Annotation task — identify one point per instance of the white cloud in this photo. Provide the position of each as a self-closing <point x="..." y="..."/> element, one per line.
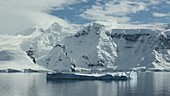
<point x="17" y="15"/>
<point x="157" y="14"/>
<point x="36" y="4"/>
<point x="167" y="1"/>
<point x="116" y="9"/>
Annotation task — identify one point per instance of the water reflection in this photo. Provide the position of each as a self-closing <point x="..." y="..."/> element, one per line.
<point x="19" y="84"/>
<point x="161" y="84"/>
<point x="72" y="88"/>
<point x="147" y="84"/>
<point x="90" y="88"/>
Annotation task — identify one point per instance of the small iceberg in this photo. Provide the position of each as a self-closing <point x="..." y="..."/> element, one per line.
<point x="96" y="76"/>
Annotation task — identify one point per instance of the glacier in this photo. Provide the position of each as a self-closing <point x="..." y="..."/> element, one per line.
<point x="18" y="61"/>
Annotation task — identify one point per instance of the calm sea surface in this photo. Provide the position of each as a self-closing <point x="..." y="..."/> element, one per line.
<point x="20" y="84"/>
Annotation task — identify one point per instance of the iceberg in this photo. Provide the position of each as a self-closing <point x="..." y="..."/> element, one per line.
<point x="95" y="76"/>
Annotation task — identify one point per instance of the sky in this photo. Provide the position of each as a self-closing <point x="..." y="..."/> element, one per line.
<point x="16" y="15"/>
<point x="123" y="11"/>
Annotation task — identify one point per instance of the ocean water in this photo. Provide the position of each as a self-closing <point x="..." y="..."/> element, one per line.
<point x="35" y="84"/>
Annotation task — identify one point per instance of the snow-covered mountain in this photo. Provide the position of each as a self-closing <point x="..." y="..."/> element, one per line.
<point x="96" y="47"/>
<point x="39" y="40"/>
<point x="141" y="48"/>
<point x="57" y="59"/>
<point x="17" y="61"/>
<point x="47" y="39"/>
<point x="93" y="46"/>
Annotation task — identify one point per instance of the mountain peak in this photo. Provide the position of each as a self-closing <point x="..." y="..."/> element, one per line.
<point x="54" y="27"/>
<point x="95" y="24"/>
<point x="57" y="59"/>
<point x="92" y="29"/>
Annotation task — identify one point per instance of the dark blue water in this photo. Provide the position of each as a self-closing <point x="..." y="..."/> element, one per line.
<point x="147" y="84"/>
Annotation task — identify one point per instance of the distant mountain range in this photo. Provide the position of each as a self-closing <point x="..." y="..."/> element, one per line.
<point x="95" y="46"/>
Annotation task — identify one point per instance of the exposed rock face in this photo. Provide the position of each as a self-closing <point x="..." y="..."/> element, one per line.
<point x="165" y="39"/>
<point x="31" y="54"/>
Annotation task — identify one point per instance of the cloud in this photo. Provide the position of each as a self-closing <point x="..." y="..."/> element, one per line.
<point x="116" y="9"/>
<point x="35" y="5"/>
<point x="167" y="1"/>
<point x="157" y="14"/>
<point x="17" y="15"/>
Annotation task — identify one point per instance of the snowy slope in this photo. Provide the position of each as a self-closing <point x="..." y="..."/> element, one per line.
<point x="41" y="37"/>
<point x="97" y="47"/>
<point x="135" y="48"/>
<point x="91" y="47"/>
<point x="43" y="43"/>
<point x="17" y="60"/>
<point x="57" y="60"/>
<point x="15" y="42"/>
